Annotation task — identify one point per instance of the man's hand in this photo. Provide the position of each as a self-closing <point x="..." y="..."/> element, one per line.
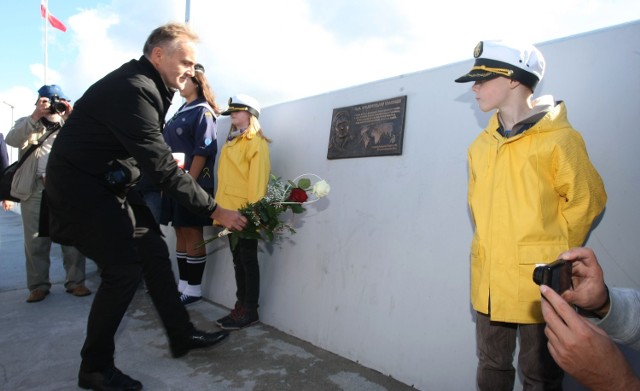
<point x="589" y="290"/>
<point x="68" y="111"/>
<point x="583" y="350"/>
<point x="229" y="218"/>
<point x="41" y="110"/>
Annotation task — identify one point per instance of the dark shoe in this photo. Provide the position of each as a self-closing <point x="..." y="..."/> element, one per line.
<point x="111" y="379"/>
<point x="37" y="295"/>
<point x="186" y="299"/>
<point x="241" y="319"/>
<point x="227" y="318"/>
<point x="79" y="291"/>
<point x="196" y="340"/>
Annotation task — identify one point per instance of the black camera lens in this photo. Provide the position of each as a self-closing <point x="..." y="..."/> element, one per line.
<point x="56" y="106"/>
<point x="538" y="274"/>
<point x="556" y="275"/>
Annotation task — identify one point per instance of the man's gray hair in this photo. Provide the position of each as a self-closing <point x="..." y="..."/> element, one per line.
<point x="168" y="35"/>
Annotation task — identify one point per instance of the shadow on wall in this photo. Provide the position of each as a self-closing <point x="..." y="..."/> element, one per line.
<point x="481" y="117"/>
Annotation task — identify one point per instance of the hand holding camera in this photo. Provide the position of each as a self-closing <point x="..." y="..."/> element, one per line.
<point x="41" y="110"/>
<point x="58" y="106"/>
<point x="589" y="290"/>
<point x="556" y="275"/>
<point x="576" y="345"/>
<point x="576" y="268"/>
<point x="53" y="106"/>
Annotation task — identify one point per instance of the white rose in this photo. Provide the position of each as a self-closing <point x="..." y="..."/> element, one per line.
<point x="321" y="189"/>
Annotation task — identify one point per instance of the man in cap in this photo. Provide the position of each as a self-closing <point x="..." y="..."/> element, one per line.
<point x="533" y="193"/>
<point x="114" y="135"/>
<point x="52" y="109"/>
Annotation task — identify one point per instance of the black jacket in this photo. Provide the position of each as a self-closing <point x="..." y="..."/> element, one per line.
<point x="4" y="156"/>
<point x="113" y="134"/>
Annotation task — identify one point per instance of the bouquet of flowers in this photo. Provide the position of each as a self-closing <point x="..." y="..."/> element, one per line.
<point x="264" y="217"/>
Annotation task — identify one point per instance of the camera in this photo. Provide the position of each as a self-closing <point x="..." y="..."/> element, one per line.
<point x="556" y="275"/>
<point x="57" y="106"/>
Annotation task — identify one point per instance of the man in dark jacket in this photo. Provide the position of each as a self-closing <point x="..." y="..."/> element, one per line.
<point x="4" y="156"/>
<point x="4" y="163"/>
<point x="114" y="134"/>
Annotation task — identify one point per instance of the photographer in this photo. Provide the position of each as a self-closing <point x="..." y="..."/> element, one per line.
<point x="42" y="126"/>
<point x="577" y="343"/>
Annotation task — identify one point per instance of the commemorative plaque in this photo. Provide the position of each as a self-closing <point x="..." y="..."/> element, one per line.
<point x="369" y="129"/>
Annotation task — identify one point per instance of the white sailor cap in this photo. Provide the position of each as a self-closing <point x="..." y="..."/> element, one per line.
<point x="521" y="62"/>
<point x="242" y="102"/>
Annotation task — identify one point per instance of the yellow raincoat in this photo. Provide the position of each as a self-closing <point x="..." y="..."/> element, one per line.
<point x="532" y="196"/>
<point x="243" y="171"/>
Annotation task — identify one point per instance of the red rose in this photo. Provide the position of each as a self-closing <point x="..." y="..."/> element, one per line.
<point x="298" y="195"/>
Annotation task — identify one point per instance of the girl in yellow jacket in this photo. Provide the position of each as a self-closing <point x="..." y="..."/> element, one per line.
<point x="243" y="174"/>
<point x="533" y="193"/>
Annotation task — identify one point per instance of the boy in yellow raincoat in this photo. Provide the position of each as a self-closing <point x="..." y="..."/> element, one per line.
<point x="533" y="193"/>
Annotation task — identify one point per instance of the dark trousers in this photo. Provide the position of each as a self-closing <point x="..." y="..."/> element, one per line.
<point x="124" y="259"/>
<point x="247" y="272"/>
<point x="496" y="343"/>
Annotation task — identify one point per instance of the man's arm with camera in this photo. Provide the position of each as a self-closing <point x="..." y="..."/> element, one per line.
<point x="589" y="291"/>
<point x="577" y="343"/>
<point x="618" y="309"/>
<point x="582" y="349"/>
<point x="27" y="130"/>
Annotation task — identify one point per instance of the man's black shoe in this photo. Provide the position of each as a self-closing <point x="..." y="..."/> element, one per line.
<point x="111" y="379"/>
<point x="196" y="340"/>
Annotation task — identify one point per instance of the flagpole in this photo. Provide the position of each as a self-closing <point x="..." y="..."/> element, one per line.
<point x="187" y="18"/>
<point x="46" y="39"/>
<point x="12" y="107"/>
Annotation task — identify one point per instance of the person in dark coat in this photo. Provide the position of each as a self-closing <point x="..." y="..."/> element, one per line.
<point x="113" y="136"/>
<point x="4" y="163"/>
<point x="4" y="156"/>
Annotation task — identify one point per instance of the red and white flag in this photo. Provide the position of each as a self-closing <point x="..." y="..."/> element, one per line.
<point x="55" y="22"/>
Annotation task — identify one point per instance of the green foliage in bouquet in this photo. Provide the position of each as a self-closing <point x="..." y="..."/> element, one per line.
<point x="264" y="218"/>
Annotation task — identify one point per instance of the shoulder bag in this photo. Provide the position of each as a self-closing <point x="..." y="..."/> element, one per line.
<point x="8" y="174"/>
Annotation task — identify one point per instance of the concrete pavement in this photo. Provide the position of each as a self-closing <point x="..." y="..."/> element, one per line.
<point x="40" y="342"/>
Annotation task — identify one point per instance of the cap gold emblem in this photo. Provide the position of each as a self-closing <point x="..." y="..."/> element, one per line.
<point x="478" y="50"/>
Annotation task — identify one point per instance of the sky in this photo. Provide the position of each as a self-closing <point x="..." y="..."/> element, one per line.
<point x="275" y="50"/>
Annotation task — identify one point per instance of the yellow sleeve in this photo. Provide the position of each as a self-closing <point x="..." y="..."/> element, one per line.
<point x="581" y="186"/>
<point x="259" y="169"/>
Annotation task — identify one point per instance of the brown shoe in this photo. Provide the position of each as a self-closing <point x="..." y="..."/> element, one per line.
<point x="79" y="291"/>
<point x="37" y="295"/>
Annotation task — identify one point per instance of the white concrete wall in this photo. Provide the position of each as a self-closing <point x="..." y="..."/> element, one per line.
<point x="379" y="270"/>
